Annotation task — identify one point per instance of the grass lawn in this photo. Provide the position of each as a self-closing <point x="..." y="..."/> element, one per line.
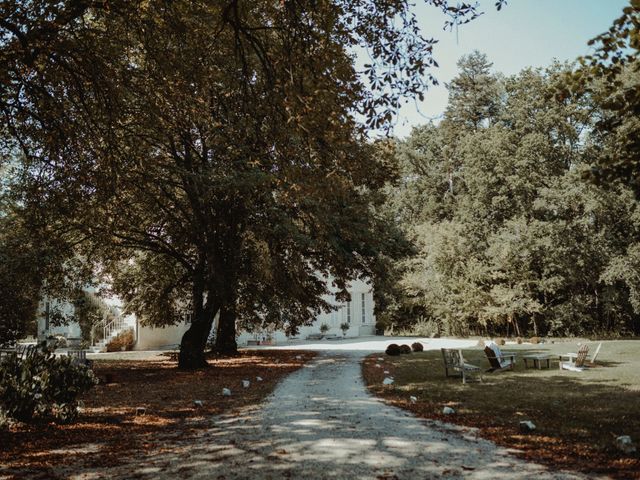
<point x="109" y="430"/>
<point x="578" y="414"/>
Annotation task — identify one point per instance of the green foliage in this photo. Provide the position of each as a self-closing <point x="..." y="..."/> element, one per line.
<point x="417" y="347"/>
<point x="42" y="386"/>
<point x="89" y="311"/>
<point x="423" y="327"/>
<point x="124" y="341"/>
<point x="324" y="328"/>
<point x="609" y="76"/>
<point x="508" y="237"/>
<point x="38" y="260"/>
<point x="405" y="349"/>
<point x="215" y="154"/>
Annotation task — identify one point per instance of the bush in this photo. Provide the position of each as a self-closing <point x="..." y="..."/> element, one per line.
<point x="324" y="328"/>
<point x="535" y="340"/>
<point x="393" y="349"/>
<point x="123" y="341"/>
<point x="519" y="340"/>
<point x="405" y="349"/>
<point x="500" y="341"/>
<point x="422" y="328"/>
<point x="42" y="386"/>
<point x="417" y="347"/>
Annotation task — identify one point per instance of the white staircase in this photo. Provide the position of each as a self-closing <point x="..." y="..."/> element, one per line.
<point x="111" y="327"/>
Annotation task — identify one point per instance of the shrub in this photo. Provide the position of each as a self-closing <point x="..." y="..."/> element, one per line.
<point x="324" y="328"/>
<point x="535" y="340"/>
<point x="519" y="340"/>
<point x="393" y="349"/>
<point x="405" y="349"/>
<point x="500" y="341"/>
<point x="42" y="386"/>
<point x="123" y="341"/>
<point x="417" y="347"/>
<point x="422" y="328"/>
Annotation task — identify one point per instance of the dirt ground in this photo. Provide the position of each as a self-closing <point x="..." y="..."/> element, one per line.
<point x="112" y="428"/>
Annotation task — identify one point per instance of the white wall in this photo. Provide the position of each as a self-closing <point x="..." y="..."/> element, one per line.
<point x="362" y="320"/>
<point x="159" y="338"/>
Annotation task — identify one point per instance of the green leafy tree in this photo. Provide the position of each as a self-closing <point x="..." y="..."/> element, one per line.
<point x="523" y="245"/>
<point x="211" y="153"/>
<point x="609" y="76"/>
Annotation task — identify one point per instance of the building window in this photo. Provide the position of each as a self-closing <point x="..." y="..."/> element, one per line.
<point x="348" y="312"/>
<point x="364" y="314"/>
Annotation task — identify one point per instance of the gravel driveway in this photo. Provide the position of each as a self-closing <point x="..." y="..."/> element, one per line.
<point x="320" y="422"/>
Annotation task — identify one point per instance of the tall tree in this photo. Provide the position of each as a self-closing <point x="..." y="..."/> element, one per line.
<point x="213" y="148"/>
<point x="525" y="245"/>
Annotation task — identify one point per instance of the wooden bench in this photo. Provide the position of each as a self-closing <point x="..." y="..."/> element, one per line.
<point x="454" y="361"/>
<point x="499" y="360"/>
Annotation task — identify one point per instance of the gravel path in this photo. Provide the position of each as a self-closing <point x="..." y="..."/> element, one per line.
<point x="320" y="422"/>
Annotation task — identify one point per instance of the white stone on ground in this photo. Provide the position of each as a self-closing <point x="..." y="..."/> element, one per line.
<point x="625" y="444"/>
<point x="226" y="392"/>
<point x="387" y="381"/>
<point x="246" y="383"/>
<point x="527" y="426"/>
<point x="448" y="411"/>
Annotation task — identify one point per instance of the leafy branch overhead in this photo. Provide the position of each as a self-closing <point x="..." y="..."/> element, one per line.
<point x="212" y="157"/>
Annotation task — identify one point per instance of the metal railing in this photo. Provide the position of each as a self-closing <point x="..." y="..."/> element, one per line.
<point x="112" y="328"/>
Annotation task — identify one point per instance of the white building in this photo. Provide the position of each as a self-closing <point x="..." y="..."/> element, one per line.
<point x="358" y="314"/>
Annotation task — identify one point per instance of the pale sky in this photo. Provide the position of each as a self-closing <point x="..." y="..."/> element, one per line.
<point x="524" y="33"/>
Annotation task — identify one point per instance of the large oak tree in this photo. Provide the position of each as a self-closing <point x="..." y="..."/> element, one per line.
<point x="214" y="154"/>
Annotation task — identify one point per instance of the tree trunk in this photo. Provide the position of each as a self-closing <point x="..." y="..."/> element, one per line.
<point x="193" y="344"/>
<point x="194" y="340"/>
<point x="226" y="335"/>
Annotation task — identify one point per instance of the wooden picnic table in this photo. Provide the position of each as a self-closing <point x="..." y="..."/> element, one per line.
<point x="537" y="359"/>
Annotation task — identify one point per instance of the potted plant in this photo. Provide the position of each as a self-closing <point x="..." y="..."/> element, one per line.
<point x="344" y="327"/>
<point x="324" y="328"/>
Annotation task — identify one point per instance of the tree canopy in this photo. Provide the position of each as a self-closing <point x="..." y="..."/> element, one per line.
<point x="510" y="237"/>
<point x="214" y="155"/>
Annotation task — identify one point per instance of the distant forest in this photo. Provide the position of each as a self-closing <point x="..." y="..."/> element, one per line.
<point x="511" y="231"/>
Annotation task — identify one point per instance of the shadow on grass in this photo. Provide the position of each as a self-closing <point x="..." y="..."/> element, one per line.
<point x="578" y="415"/>
<point x="313" y="431"/>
